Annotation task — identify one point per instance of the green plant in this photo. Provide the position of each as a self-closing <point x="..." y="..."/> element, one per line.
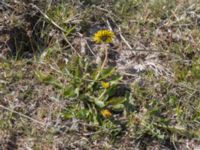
<point x="93" y="89"/>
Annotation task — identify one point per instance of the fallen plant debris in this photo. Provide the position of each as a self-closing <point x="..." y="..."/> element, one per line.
<point x="90" y="74"/>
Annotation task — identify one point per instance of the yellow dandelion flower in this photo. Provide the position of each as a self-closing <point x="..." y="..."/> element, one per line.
<point x="106" y="113"/>
<point x="103" y="36"/>
<point x="105" y="85"/>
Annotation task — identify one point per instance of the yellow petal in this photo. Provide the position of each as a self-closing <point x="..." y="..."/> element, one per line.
<point x="103" y="36"/>
<point x="106" y="113"/>
<point x="105" y="84"/>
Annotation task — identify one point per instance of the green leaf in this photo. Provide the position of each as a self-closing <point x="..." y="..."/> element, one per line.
<point x="111" y="91"/>
<point x="116" y="101"/>
<point x="70" y="91"/>
<point x="42" y="76"/>
<point x="83" y="114"/>
<point x="49" y="79"/>
<point x="70" y="30"/>
<point x="107" y="73"/>
<point x="115" y="80"/>
<point x="118" y="107"/>
<point x="154" y="111"/>
<point x="99" y="103"/>
<point x="67" y="115"/>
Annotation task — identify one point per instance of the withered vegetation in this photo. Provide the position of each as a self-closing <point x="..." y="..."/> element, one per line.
<point x="61" y="90"/>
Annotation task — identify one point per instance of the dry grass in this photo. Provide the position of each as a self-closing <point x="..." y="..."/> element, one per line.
<point x="51" y="73"/>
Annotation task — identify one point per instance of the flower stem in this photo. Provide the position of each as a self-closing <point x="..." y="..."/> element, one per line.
<point x="104" y="62"/>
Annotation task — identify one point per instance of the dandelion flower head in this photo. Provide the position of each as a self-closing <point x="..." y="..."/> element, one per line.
<point x="103" y="36"/>
<point x="106" y="113"/>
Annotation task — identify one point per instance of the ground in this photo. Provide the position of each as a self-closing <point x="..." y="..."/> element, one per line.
<point x="63" y="86"/>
